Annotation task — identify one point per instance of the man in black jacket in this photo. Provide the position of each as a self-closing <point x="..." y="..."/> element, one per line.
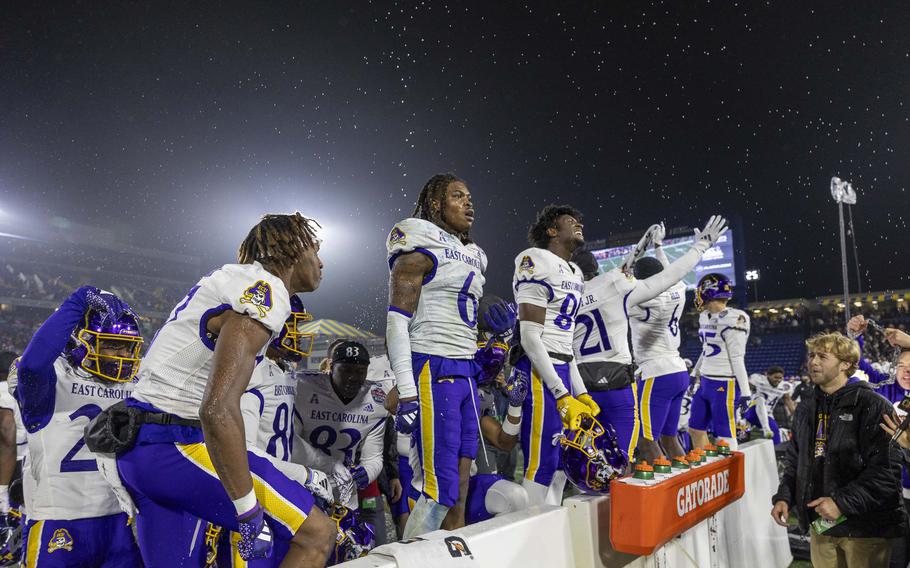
<point x="841" y="474"/>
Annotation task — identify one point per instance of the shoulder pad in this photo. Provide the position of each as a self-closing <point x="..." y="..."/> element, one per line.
<point x="531" y="264"/>
<point x="410" y="234"/>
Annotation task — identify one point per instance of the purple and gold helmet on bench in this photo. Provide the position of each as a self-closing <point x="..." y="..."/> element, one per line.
<point x="354" y="537"/>
<point x="108" y="340"/>
<point x="293" y="343"/>
<point x="591" y="456"/>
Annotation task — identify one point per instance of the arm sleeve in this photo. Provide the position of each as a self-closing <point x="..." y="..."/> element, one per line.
<point x="735" y="340"/>
<point x="761" y="409"/>
<point x="371" y="451"/>
<point x="532" y="343"/>
<point x="399" y="347"/>
<point x="578" y="384"/>
<point x="650" y="287"/>
<point x="696" y="369"/>
<point x="36" y="377"/>
<point x="661" y="256"/>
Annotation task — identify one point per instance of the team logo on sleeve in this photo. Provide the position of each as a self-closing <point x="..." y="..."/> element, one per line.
<point x="260" y="295"/>
<point x="60" y="540"/>
<point x="526" y="265"/>
<point x="397" y="237"/>
<point x="378" y="395"/>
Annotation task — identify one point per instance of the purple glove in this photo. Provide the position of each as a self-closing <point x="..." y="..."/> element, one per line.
<point x="491" y="358"/>
<point x="743" y="405"/>
<point x="517" y="387"/>
<point x="501" y="317"/>
<point x="255" y="535"/>
<point x="360" y="476"/>
<point x="406" y="417"/>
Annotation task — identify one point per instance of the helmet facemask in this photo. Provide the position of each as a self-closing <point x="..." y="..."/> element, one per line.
<point x="99" y="336"/>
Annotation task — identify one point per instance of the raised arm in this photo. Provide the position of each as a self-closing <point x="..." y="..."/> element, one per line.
<point x="648" y="288"/>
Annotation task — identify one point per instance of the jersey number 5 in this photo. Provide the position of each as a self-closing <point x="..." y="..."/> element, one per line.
<point x="705" y="336"/>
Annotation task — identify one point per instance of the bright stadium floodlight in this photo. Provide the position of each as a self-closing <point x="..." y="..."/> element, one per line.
<point x="843" y="192"/>
<point x="752" y="275"/>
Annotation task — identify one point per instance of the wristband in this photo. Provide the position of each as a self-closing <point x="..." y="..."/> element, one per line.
<point x="509" y="428"/>
<point x="246" y="503"/>
<point x="514" y="411"/>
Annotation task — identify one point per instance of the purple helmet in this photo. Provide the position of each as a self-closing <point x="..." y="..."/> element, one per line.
<point x="108" y="340"/>
<point x="354" y="537"/>
<point x="591" y="456"/>
<point x="491" y="356"/>
<point x="712" y="286"/>
<point x="293" y="343"/>
<point x="743" y="431"/>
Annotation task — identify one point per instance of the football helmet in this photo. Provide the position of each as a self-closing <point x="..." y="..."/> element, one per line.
<point x="491" y="356"/>
<point x="293" y="342"/>
<point x="108" y="340"/>
<point x="354" y="537"/>
<point x="712" y="286"/>
<point x="591" y="456"/>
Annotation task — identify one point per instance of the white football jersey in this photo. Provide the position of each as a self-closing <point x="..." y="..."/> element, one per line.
<point x="545" y="280"/>
<point x="445" y="323"/>
<point x="175" y="371"/>
<point x="330" y="431"/>
<point x="268" y="409"/>
<point x="655" y="332"/>
<point x="602" y="324"/>
<point x="717" y="333"/>
<point x="64" y="481"/>
<point x="7" y="401"/>
<point x="771" y="394"/>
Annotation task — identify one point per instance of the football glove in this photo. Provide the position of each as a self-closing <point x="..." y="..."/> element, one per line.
<point x="501" y="317"/>
<point x="658" y="232"/>
<point x="255" y="535"/>
<point x="318" y="484"/>
<point x="714" y="228"/>
<point x="517" y="387"/>
<point x="586" y="400"/>
<point x="406" y="417"/>
<point x="343" y="481"/>
<point x="570" y="411"/>
<point x="359" y="474"/>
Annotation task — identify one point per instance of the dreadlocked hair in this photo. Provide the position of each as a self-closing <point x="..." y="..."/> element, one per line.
<point x="435" y="190"/>
<point x="546" y="219"/>
<point x="278" y="240"/>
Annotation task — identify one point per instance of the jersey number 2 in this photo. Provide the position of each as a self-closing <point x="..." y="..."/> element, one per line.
<point x="68" y="464"/>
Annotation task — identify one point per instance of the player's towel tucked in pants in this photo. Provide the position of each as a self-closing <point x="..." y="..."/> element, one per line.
<point x="541" y="426"/>
<point x="660" y="403"/>
<point x="169" y="473"/>
<point x="752" y="416"/>
<point x="448" y="423"/>
<point x="102" y="542"/>
<point x="619" y="407"/>
<point x="714" y="407"/>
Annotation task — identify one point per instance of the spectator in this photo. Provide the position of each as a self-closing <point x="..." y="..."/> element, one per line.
<point x="840" y="473"/>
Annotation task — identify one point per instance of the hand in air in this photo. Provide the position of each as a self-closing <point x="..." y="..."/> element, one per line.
<point x="714" y="229"/>
<point x="501" y="317"/>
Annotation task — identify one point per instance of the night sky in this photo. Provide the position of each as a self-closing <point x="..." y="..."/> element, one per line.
<point x="179" y="124"/>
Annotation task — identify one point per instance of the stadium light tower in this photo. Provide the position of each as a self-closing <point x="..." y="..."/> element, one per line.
<point x="842" y="192"/>
<point x="753" y="276"/>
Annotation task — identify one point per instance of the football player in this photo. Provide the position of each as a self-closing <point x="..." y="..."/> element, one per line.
<point x="190" y="454"/>
<point x="601" y="334"/>
<point x="437" y="276"/>
<point x="83" y="359"/>
<point x="724" y="383"/>
<point x="769" y="390"/>
<point x="548" y="288"/>
<point x="340" y="420"/>
<point x="489" y="494"/>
